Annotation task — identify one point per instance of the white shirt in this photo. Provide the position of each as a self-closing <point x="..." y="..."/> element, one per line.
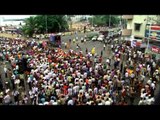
<point x="100" y="103"/>
<point x="17" y="67"/>
<point x="5" y="69"/>
<point x="54" y="103"/>
<point x="126" y="74"/>
<point x="107" y="103"/>
<point x="70" y="91"/>
<point x="70" y="102"/>
<point x="7" y="99"/>
<point x="140" y="102"/>
<point x="107" y="61"/>
<point x="46" y="103"/>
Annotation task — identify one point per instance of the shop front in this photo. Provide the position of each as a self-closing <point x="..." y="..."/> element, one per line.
<point x="154" y="51"/>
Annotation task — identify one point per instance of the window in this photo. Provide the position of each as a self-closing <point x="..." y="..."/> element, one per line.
<point x="137" y="26"/>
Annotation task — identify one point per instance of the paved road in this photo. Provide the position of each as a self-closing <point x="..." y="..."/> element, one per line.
<point x="67" y="37"/>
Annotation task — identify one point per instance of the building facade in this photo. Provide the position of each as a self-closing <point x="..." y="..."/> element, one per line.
<point x="136" y="25"/>
<point x="143" y="28"/>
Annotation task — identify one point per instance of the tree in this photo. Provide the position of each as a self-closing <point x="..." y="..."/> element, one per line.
<point x="41" y="23"/>
<point x="157" y="19"/>
<point x="29" y="27"/>
<point x="102" y="20"/>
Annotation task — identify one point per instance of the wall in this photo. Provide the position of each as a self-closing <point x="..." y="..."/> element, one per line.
<point x="139" y="19"/>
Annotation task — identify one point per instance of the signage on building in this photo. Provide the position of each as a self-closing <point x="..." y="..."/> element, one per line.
<point x="136" y="43"/>
<point x="154" y="31"/>
<point x="155" y="49"/>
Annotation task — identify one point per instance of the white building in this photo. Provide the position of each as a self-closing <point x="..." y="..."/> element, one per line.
<point x="77" y="18"/>
<point x="12" y="20"/>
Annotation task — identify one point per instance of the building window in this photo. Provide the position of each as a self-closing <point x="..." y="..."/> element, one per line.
<point x="137" y="27"/>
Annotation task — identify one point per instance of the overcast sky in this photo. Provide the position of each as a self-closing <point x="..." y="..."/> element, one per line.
<point x="14" y="16"/>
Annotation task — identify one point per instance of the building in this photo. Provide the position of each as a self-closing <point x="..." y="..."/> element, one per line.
<point x="144" y="29"/>
<point x="13" y="20"/>
<point x="136" y="25"/>
<point x="78" y="18"/>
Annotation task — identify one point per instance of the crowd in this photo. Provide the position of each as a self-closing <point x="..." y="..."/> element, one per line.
<point x="57" y="77"/>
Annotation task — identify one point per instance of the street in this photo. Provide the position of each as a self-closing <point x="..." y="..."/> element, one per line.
<point x="107" y="53"/>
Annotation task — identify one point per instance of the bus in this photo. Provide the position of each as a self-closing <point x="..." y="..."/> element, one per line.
<point x="55" y="40"/>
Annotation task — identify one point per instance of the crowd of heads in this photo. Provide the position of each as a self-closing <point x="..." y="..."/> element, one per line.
<point x="58" y="77"/>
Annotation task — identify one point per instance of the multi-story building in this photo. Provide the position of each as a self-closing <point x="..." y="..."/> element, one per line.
<point x="136" y="25"/>
<point x="143" y="28"/>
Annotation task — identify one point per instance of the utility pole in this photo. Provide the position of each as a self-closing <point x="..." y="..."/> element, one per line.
<point x="109" y="20"/>
<point x="92" y="20"/>
<point x="149" y="34"/>
<point x="46" y="24"/>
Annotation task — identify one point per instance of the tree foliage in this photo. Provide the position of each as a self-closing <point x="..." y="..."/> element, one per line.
<point x="101" y="20"/>
<point x="45" y="23"/>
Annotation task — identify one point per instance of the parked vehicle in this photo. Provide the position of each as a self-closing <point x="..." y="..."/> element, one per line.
<point x="94" y="38"/>
<point x="101" y="38"/>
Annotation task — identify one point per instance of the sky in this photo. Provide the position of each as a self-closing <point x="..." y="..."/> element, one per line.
<point x="14" y="16"/>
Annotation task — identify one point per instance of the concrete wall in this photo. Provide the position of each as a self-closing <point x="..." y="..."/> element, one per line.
<point x="142" y="19"/>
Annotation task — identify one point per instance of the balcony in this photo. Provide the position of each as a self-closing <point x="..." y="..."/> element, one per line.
<point x="128" y="17"/>
<point x="126" y="32"/>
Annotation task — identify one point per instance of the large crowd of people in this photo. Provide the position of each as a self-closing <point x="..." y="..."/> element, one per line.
<point x="58" y="77"/>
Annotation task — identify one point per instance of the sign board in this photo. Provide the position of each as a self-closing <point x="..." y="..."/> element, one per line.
<point x="154" y="32"/>
<point x="155" y="49"/>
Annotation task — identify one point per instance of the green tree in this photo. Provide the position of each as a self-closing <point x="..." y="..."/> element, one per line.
<point x="30" y="26"/>
<point x="39" y="24"/>
<point x="102" y="20"/>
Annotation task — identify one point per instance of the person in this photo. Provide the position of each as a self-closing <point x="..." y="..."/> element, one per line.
<point x="72" y="79"/>
<point x="5" y="71"/>
<point x="74" y="40"/>
<point x="78" y="47"/>
<point x="104" y="47"/>
<point x="86" y="50"/>
<point x="65" y="45"/>
<point x="7" y="99"/>
<point x="1" y="97"/>
<point x="16" y="96"/>
<point x="1" y="84"/>
<point x="101" y="53"/>
<point x="93" y="51"/>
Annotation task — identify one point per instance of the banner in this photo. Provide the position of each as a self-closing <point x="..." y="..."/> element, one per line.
<point x="154" y="32"/>
<point x="155" y="49"/>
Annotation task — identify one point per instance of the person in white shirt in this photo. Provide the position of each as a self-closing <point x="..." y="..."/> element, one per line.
<point x="5" y="71"/>
<point x="55" y="103"/>
<point x="104" y="46"/>
<point x="70" y="91"/>
<point x="7" y="99"/>
<point x="17" y="67"/>
<point x="70" y="102"/>
<point x="107" y="102"/>
<point x="100" y="103"/>
<point x="141" y="102"/>
<point x="126" y="75"/>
